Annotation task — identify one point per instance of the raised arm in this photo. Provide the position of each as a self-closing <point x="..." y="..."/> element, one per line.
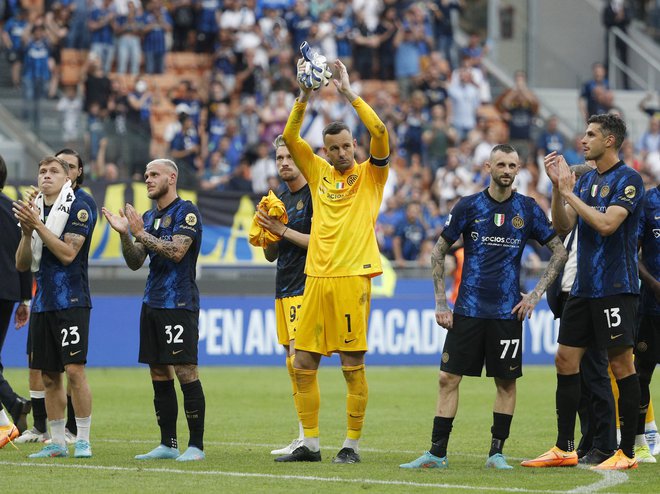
<point x="380" y="140"/>
<point x="301" y="152"/>
<point x="525" y="307"/>
<point x="443" y="315"/>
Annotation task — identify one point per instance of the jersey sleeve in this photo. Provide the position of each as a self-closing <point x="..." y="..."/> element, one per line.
<point x="542" y="230"/>
<point x="629" y="193"/>
<point x="187" y="221"/>
<point x="80" y="219"/>
<point x="641" y="226"/>
<point x="456" y="222"/>
<point x="301" y="152"/>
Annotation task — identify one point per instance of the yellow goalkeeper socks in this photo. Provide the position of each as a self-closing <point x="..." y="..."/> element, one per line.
<point x="356" y="399"/>
<point x="308" y="400"/>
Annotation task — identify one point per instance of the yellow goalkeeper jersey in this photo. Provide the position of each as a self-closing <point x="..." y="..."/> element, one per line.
<point x="343" y="240"/>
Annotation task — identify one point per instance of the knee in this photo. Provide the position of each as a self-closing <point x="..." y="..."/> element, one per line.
<point x="186" y="373"/>
<point x="564" y="364"/>
<point x="75" y="374"/>
<point x="448" y="381"/>
<point x="50" y="380"/>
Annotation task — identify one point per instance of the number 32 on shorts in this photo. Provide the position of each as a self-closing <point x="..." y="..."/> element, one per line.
<point x="174" y="333"/>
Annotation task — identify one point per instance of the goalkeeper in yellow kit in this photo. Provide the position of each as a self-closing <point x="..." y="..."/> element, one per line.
<point x="342" y="258"/>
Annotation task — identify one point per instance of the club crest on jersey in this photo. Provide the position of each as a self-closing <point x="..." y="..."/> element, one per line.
<point x="300" y="205"/>
<point x="594" y="190"/>
<point x="351" y="179"/>
<point x="191" y="219"/>
<point x="517" y="222"/>
<point x="339" y="185"/>
<point x="630" y="191"/>
<point x="475" y="236"/>
<point x="499" y="219"/>
<point x="604" y="191"/>
<point x="167" y="221"/>
<point x="82" y="215"/>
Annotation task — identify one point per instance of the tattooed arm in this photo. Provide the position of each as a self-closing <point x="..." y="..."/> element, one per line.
<point x="443" y="315"/>
<point x="134" y="252"/>
<point x="173" y="250"/>
<point x="559" y="257"/>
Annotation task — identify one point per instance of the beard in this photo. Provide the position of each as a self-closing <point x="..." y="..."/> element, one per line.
<point x="158" y="192"/>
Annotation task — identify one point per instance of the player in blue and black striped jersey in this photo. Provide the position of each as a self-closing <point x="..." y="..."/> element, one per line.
<point x="486" y="324"/>
<point x="602" y="307"/>
<point x="171" y="235"/>
<point x="56" y="232"/>
<point x="291" y="254"/>
<point x="647" y="348"/>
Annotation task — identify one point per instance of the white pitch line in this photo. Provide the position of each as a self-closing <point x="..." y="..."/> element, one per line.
<point x="610" y="478"/>
<point x="78" y="466"/>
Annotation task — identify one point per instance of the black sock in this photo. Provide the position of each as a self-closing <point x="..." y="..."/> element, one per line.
<point x="628" y="412"/>
<point x="500" y="431"/>
<point x="194" y="405"/>
<point x="567" y="401"/>
<point x="167" y="409"/>
<point x="440" y="437"/>
<point x="645" y="398"/>
<point x="71" y="416"/>
<point x="39" y="414"/>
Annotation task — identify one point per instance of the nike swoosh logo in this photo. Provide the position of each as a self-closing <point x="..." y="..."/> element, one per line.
<point x="657" y="218"/>
<point x="175" y="352"/>
<point x="192" y="411"/>
<point x="513" y="368"/>
<point x="480" y="220"/>
<point x="614" y="337"/>
<point x="350" y="341"/>
<point x="325" y="179"/>
<point x="71" y="354"/>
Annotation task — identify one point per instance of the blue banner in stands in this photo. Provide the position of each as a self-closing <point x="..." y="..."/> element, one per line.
<point x="241" y="331"/>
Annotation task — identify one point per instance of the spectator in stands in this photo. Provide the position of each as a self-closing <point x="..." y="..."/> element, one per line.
<point x="342" y="21"/>
<point x="274" y="115"/>
<point x="156" y="23"/>
<point x="36" y="73"/>
<point x="649" y="141"/>
<point x="95" y="132"/>
<point x="443" y="29"/>
<point x="70" y="108"/>
<point x="249" y="123"/>
<point x="588" y="102"/>
<point x="436" y="138"/>
<point x="465" y="101"/>
<point x="575" y="154"/>
<point x="550" y="139"/>
<point x="216" y="127"/>
<point x="629" y="157"/>
<point x="409" y="236"/>
<point x="494" y="136"/>
<point x="647" y="106"/>
<point x="452" y="181"/>
<point x="241" y="180"/>
<point x="434" y="82"/>
<point x="231" y="144"/>
<point x="185" y="150"/>
<point x="417" y="117"/>
<point x="128" y="29"/>
<point x="386" y="226"/>
<point x="409" y="44"/>
<point x="617" y="14"/>
<point x="275" y="40"/>
<point x="56" y="22"/>
<point x="263" y="168"/>
<point x="364" y="47"/>
<point x="217" y="173"/>
<point x="187" y="93"/>
<point x="183" y="22"/>
<point x="519" y="106"/>
<point x="12" y="38"/>
<point x="298" y="21"/>
<point x="225" y="61"/>
<point x="138" y="128"/>
<point x="79" y="36"/>
<point x="475" y="50"/>
<point x="100" y="24"/>
<point x="251" y="78"/>
<point x="207" y="21"/>
<point x="386" y="31"/>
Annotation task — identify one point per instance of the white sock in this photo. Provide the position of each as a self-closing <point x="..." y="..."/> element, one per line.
<point x="650" y="426"/>
<point x="4" y="420"/>
<point x="640" y="440"/>
<point x="83" y="424"/>
<point x="57" y="431"/>
<point x="312" y="443"/>
<point x="37" y="394"/>
<point x="351" y="443"/>
<point x="301" y="432"/>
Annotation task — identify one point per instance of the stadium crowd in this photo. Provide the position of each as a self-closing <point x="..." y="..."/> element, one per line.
<point x="434" y="95"/>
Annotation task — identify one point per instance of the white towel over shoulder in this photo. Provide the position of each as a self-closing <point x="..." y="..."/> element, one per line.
<point x="56" y="221"/>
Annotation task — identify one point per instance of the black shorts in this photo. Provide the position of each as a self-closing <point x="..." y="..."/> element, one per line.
<point x="648" y="339"/>
<point x="474" y="341"/>
<point x="58" y="338"/>
<point x="605" y="322"/>
<point x="168" y="336"/>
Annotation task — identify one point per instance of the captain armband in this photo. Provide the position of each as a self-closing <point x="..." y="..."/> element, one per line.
<point x="379" y="161"/>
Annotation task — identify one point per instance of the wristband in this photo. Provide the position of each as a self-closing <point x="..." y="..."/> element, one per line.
<point x="284" y="232"/>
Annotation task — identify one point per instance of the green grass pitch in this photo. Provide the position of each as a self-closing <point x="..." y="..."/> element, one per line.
<point x="250" y="411"/>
